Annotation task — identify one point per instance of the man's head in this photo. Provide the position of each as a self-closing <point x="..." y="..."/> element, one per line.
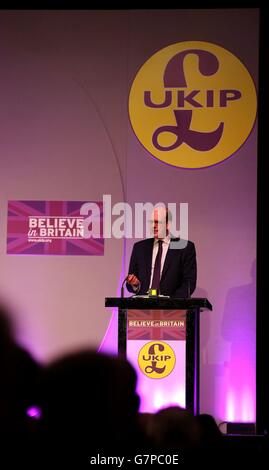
<point x="160" y="221"/>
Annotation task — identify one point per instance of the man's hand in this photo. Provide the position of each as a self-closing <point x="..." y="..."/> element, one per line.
<point x="133" y="280"/>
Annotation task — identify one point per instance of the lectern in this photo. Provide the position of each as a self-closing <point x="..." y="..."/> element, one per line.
<point x="160" y="337"/>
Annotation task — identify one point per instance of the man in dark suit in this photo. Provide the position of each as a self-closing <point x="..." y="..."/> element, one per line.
<point x="161" y="263"/>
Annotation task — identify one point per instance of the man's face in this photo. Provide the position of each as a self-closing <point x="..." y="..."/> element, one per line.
<point x="159" y="225"/>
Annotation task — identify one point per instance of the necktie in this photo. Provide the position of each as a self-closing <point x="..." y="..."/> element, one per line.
<point x="157" y="267"/>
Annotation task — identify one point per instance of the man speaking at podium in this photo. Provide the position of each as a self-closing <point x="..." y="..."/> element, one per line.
<point x="155" y="265"/>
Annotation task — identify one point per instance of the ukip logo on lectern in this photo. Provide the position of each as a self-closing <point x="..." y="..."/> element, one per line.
<point x="192" y="104"/>
<point x="156" y="359"/>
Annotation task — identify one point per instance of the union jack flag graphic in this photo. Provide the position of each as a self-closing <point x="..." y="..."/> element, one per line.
<point x="156" y="325"/>
<point x="20" y="240"/>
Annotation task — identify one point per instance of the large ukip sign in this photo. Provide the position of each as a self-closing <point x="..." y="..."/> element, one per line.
<point x="192" y="104"/>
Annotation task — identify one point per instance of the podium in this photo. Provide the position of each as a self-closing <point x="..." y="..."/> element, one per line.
<point x="160" y="336"/>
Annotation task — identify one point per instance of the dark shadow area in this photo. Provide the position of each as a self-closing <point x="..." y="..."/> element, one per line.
<point x="84" y="407"/>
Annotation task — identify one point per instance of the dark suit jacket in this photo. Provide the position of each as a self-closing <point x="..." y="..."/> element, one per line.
<point x="179" y="270"/>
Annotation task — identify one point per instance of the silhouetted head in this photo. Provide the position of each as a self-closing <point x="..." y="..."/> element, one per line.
<point x="175" y="427"/>
<point x="89" y="394"/>
<point x="208" y="428"/>
<point x="19" y="378"/>
<point x="6" y="328"/>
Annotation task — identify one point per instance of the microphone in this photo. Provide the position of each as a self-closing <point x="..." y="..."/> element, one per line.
<point x="122" y="287"/>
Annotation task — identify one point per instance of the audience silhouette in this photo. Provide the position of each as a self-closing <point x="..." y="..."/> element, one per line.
<point x="85" y="404"/>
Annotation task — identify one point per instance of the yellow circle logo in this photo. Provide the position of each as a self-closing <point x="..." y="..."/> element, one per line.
<point x="156" y="359"/>
<point x="192" y="104"/>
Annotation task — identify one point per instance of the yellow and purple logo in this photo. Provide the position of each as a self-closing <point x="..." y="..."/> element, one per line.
<point x="156" y="359"/>
<point x="192" y="104"/>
